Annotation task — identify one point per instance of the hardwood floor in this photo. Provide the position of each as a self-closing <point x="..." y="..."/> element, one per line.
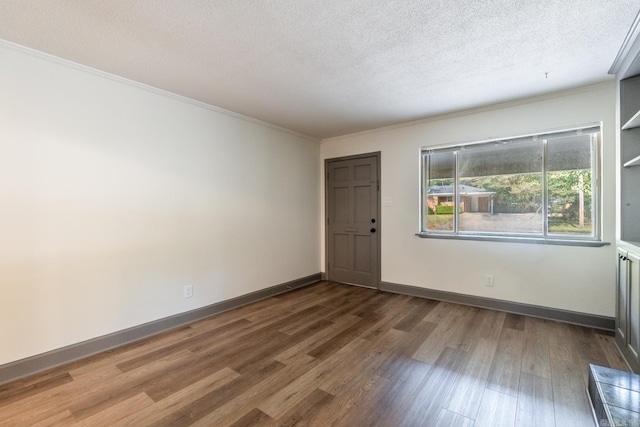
<point x="329" y="354"/>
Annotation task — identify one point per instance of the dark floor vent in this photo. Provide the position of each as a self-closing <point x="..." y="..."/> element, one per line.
<point x="614" y="396"/>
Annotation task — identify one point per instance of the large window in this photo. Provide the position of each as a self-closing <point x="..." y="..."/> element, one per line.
<point x="540" y="187"/>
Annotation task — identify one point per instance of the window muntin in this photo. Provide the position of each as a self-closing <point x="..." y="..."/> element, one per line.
<point x="441" y="191"/>
<point x="540" y="186"/>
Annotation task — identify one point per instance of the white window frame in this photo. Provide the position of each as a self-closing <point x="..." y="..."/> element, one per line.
<point x="545" y="237"/>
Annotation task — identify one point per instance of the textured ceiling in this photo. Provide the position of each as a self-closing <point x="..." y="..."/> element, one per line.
<point x="330" y="67"/>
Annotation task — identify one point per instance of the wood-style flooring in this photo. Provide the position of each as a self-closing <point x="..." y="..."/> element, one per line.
<point x="329" y="355"/>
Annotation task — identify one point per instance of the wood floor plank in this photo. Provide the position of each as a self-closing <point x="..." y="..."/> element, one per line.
<point x="389" y="405"/>
<point x="301" y="349"/>
<point x="255" y="417"/>
<point x="285" y="399"/>
<point x="570" y="402"/>
<point x="472" y="332"/>
<point x="463" y="336"/>
<point x="492" y="324"/>
<point x="587" y="349"/>
<point x="447" y="418"/>
<point x="504" y="376"/>
<point x="98" y="374"/>
<point x="26" y="388"/>
<point x="405" y="348"/>
<point x="282" y="314"/>
<point x="308" y="411"/>
<point x="328" y="355"/>
<point x="435" y="344"/>
<point x="535" y="402"/>
<point x="183" y="344"/>
<point x="363" y="366"/>
<point x="124" y="386"/>
<point x="468" y="388"/>
<point x="114" y="414"/>
<point x="395" y="309"/>
<point x="211" y="360"/>
<point x="163" y="409"/>
<point x="561" y="343"/>
<point x="252" y="397"/>
<point x="110" y="358"/>
<point x="415" y="315"/>
<point x="375" y="302"/>
<point x="497" y="410"/>
<point x="64" y="418"/>
<point x="276" y="344"/>
<point x="535" y="354"/>
<point x="442" y="310"/>
<point x="86" y="397"/>
<point x="47" y="403"/>
<point x="614" y="358"/>
<point x="354" y="397"/>
<point x="211" y="400"/>
<point x="334" y="344"/>
<point x="434" y="390"/>
<point x="514" y="321"/>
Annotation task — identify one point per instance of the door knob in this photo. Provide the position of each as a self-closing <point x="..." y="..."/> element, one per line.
<point x="373" y="220"/>
<point x="373" y="230"/>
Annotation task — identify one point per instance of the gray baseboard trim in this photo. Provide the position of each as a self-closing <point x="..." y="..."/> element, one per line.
<point x="51" y="359"/>
<point x="566" y="316"/>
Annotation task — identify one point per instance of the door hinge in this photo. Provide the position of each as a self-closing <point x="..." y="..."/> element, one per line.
<point x="327" y="221"/>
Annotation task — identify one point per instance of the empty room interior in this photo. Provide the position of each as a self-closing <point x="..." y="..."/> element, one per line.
<point x="332" y="213"/>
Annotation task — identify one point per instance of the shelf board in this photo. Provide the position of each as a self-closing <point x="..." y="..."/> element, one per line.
<point x="633" y="122"/>
<point x="632" y="162"/>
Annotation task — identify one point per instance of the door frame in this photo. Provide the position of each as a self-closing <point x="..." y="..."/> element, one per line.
<point x="378" y="156"/>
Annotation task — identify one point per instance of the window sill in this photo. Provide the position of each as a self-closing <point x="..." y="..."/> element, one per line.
<point x="534" y="240"/>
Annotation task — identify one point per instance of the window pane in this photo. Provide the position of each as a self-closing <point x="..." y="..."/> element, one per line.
<point x="541" y="186"/>
<point x="500" y="189"/>
<point x="440" y="181"/>
<point x="569" y="185"/>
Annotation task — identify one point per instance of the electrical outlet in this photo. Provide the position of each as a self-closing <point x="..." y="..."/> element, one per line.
<point x="188" y="291"/>
<point x="488" y="280"/>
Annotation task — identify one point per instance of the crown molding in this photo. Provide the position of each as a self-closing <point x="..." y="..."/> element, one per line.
<point x="94" y="71"/>
<point x="629" y="49"/>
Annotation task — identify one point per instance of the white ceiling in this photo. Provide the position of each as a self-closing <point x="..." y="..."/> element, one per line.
<point x="330" y="67"/>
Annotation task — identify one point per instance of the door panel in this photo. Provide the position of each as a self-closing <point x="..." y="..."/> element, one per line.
<point x="341" y="251"/>
<point x="361" y="172"/>
<point x="362" y="254"/>
<point x="341" y="174"/>
<point x="352" y="221"/>
<point x="362" y="204"/>
<point x="341" y="205"/>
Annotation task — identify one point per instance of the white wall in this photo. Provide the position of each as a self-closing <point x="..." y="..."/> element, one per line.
<point x="580" y="279"/>
<point x="114" y="197"/>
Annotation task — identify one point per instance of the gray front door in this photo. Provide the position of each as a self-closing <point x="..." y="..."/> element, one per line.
<point x="353" y="225"/>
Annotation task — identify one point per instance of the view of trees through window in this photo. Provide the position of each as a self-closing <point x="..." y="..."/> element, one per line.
<point x="532" y="186"/>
